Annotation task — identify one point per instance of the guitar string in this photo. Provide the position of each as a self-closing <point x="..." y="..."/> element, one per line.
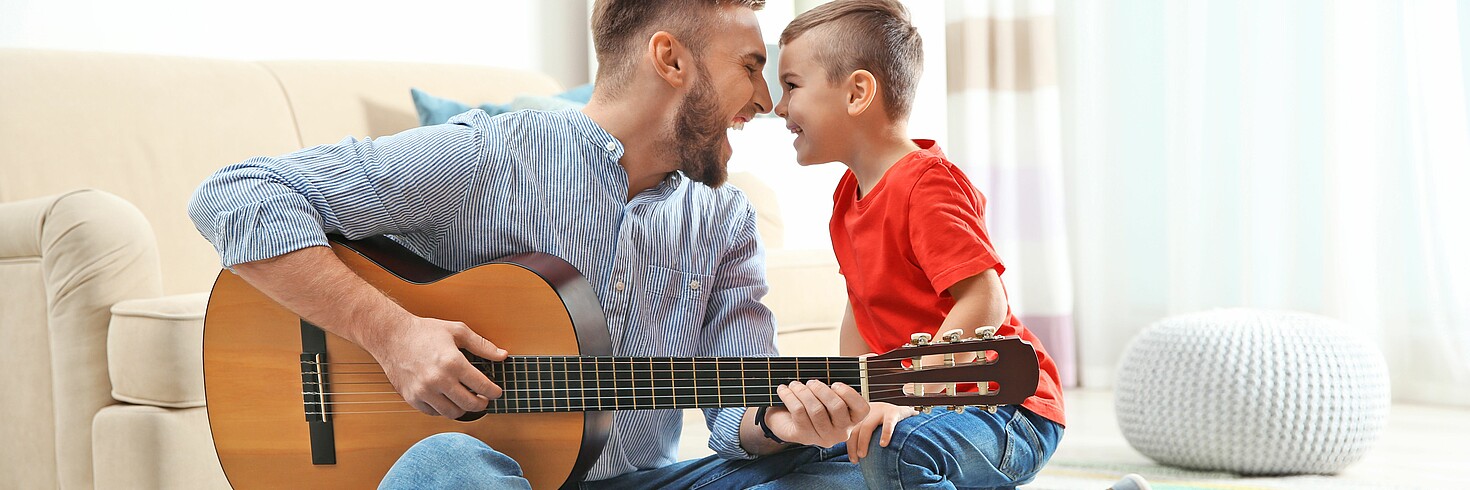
<point x="587" y="389"/>
<point x="771" y="399"/>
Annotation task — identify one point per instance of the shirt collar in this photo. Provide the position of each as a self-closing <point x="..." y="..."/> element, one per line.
<point x="604" y="143"/>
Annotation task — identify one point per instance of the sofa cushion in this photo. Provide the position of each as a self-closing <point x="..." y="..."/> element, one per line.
<point x="436" y="110"/>
<point x="154" y="351"/>
<point x="335" y="99"/>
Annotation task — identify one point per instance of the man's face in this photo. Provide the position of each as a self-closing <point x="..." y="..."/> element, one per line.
<point x="727" y="89"/>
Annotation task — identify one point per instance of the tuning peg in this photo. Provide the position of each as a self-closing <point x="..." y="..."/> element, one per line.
<point x="953" y="336"/>
<point x="957" y="408"/>
<point x="926" y="410"/>
<point x="989" y="408"/>
<point x="985" y="332"/>
<point x="920" y="339"/>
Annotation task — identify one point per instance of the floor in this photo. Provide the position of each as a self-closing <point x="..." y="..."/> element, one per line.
<point x="1424" y="447"/>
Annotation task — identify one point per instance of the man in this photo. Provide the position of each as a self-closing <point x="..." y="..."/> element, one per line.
<point x="596" y="187"/>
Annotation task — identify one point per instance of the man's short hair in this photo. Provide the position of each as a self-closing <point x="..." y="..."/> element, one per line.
<point x="873" y="35"/>
<point x="620" y="29"/>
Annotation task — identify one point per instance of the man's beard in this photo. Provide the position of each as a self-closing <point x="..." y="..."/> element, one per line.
<point x="697" y="132"/>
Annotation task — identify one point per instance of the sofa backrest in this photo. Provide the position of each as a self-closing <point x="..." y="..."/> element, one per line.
<point x="151" y="128"/>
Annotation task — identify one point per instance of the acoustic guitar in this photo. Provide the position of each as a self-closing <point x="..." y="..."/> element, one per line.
<point x="291" y="406"/>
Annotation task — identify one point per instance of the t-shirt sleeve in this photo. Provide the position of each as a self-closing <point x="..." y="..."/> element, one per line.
<point x="947" y="228"/>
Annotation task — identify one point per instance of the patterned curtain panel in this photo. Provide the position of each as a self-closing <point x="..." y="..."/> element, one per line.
<point x="1005" y="132"/>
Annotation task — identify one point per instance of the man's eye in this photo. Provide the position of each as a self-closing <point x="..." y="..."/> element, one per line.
<point x="751" y="68"/>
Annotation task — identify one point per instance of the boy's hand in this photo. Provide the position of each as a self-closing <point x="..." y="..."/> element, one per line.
<point x="884" y="414"/>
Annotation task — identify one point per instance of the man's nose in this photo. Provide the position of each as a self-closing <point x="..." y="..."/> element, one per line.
<point x="762" y="99"/>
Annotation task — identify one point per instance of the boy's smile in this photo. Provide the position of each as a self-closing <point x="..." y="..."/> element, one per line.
<point x="813" y="106"/>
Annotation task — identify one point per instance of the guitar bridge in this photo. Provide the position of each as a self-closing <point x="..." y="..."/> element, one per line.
<point x="315" y="396"/>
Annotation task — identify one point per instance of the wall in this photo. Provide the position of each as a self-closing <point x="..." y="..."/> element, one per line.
<point x="548" y="36"/>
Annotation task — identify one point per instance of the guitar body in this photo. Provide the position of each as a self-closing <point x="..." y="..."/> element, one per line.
<point x="527" y="304"/>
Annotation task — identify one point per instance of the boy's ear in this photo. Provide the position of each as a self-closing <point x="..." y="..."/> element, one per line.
<point x="670" y="58"/>
<point x="862" y="91"/>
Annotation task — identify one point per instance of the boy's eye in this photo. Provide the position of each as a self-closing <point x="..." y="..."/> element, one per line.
<point x="790" y="86"/>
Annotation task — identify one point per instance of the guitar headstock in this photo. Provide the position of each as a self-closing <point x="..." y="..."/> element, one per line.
<point x="1004" y="369"/>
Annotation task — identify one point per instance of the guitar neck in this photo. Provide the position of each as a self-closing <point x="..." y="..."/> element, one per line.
<point x="587" y="383"/>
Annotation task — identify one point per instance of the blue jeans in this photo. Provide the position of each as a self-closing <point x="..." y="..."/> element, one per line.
<point x="942" y="450"/>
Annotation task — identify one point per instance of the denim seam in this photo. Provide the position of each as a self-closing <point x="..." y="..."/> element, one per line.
<point x="730" y="469"/>
<point x="898" y="457"/>
<point x="1031" y="437"/>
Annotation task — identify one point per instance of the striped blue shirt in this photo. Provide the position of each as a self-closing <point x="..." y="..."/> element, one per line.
<point x="479" y="188"/>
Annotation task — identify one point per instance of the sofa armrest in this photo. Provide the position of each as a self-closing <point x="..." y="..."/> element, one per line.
<point x="66" y="260"/>
<point x="154" y="351"/>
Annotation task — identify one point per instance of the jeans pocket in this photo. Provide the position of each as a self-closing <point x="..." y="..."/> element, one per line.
<point x="1023" y="446"/>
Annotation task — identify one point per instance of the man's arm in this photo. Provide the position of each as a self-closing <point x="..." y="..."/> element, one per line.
<point x="268" y="219"/>
<point x="420" y="355"/>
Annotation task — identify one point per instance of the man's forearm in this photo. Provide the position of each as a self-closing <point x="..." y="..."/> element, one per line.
<point x="314" y="283"/>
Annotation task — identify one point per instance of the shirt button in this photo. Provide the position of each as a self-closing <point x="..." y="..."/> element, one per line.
<point x="694" y="285"/>
<point x="611" y="146"/>
<point x="618" y="286"/>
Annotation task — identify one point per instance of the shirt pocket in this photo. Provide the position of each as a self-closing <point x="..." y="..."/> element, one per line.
<point x="673" y="311"/>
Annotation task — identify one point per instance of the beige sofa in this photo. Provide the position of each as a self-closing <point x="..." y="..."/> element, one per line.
<point x="103" y="279"/>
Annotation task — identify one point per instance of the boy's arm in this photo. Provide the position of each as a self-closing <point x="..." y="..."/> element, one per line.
<point x="850" y="343"/>
<point x="979" y="301"/>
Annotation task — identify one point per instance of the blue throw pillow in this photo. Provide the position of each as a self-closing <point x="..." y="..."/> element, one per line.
<point x="436" y="110"/>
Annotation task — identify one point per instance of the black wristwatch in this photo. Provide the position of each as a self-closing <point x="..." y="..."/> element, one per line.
<point x="760" y="421"/>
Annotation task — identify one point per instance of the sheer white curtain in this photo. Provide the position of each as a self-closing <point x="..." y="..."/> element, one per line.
<point x="1306" y="155"/>
<point x="1005" y="132"/>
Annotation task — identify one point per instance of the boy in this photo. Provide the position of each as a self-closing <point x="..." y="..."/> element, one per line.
<point x="909" y="234"/>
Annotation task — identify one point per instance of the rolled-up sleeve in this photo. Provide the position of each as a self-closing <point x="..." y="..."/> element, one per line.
<point x="268" y="206"/>
<point x="738" y="324"/>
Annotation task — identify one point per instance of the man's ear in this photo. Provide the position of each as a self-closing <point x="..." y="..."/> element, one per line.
<point x="862" y="91"/>
<point x="670" y="58"/>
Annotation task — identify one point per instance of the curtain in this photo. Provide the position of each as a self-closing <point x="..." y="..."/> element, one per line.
<point x="1304" y="155"/>
<point x="1005" y="133"/>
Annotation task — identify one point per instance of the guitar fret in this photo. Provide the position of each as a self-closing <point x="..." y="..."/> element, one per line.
<point x="581" y="386"/>
<point x="744" y="384"/>
<point x="645" y="375"/>
<point x="673" y="395"/>
<point x="563" y="374"/>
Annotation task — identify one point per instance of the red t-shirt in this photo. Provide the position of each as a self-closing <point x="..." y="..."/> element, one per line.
<point x="920" y="230"/>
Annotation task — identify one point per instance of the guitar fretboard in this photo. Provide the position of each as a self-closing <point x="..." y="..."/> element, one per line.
<point x="577" y="383"/>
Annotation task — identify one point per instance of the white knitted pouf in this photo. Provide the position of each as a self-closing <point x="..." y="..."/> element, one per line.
<point x="1252" y="392"/>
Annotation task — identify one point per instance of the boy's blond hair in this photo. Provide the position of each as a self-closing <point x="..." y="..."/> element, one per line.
<point x="872" y="35"/>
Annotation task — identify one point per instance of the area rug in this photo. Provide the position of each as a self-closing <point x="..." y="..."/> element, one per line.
<point x="1071" y="475"/>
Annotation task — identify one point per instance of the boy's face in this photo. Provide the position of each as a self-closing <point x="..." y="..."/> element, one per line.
<point x="814" y="108"/>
